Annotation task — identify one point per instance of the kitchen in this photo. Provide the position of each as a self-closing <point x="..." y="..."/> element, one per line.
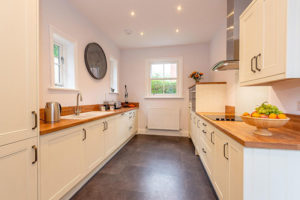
<point x="150" y="99"/>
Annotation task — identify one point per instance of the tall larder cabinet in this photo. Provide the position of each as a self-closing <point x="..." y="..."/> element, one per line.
<point x="19" y="99"/>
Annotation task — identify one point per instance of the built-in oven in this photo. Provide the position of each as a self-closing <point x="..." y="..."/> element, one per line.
<point x="192" y="98"/>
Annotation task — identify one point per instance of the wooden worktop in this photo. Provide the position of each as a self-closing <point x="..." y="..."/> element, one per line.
<point x="67" y="123"/>
<point x="282" y="138"/>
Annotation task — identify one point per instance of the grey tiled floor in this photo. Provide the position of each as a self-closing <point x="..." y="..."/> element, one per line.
<point x="151" y="168"/>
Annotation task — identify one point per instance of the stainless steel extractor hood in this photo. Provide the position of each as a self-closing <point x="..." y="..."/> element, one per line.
<point x="234" y="10"/>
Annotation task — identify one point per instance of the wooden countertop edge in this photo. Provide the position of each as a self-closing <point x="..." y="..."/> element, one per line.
<point x="76" y="122"/>
<point x="250" y="144"/>
<point x="206" y="83"/>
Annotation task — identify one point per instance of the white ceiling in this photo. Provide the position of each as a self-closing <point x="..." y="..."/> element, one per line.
<point x="158" y="19"/>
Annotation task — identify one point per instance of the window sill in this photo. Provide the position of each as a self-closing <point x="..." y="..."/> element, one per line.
<point x="114" y="93"/>
<point x="163" y="97"/>
<point x="63" y="89"/>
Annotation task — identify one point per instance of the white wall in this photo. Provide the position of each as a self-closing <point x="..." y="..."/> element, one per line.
<point x="133" y="61"/>
<point x="67" y="19"/>
<point x="285" y="95"/>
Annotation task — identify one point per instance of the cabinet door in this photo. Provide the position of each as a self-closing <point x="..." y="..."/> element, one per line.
<point x="94" y="145"/>
<point x="131" y="124"/>
<point x="235" y="171"/>
<point x="62" y="162"/>
<point x="122" y="128"/>
<point x="18" y="172"/>
<point x="135" y="122"/>
<point x="205" y="153"/>
<point x="18" y="71"/>
<point x="250" y="40"/>
<point x="221" y="166"/>
<point x="110" y="140"/>
<point x="272" y="59"/>
<point x="194" y="129"/>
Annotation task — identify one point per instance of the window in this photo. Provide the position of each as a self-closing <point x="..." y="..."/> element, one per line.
<point x="63" y="60"/>
<point x="114" y="76"/>
<point x="58" y="64"/>
<point x="164" y="78"/>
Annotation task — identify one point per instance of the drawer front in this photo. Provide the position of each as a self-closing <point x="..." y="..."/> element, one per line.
<point x="206" y="157"/>
<point x="205" y="129"/>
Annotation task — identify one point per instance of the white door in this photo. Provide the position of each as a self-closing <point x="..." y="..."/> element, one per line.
<point x="198" y="134"/>
<point x="18" y="170"/>
<point x="131" y="123"/>
<point x="109" y="137"/>
<point x="221" y="166"/>
<point x="94" y="145"/>
<point x="235" y="172"/>
<point x="18" y="71"/>
<point x="123" y="127"/>
<point x="194" y="129"/>
<point x="272" y="59"/>
<point x="62" y="162"/>
<point x="250" y="40"/>
<point x="135" y="121"/>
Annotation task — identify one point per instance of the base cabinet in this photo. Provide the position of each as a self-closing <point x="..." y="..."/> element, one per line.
<point x="221" y="157"/>
<point x="61" y="162"/>
<point x="221" y="166"/>
<point x="109" y="136"/>
<point x="241" y="173"/>
<point x="68" y="156"/>
<point x="94" y="145"/>
<point x="18" y="170"/>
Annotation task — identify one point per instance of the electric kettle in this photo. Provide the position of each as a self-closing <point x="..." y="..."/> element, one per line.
<point x="52" y="112"/>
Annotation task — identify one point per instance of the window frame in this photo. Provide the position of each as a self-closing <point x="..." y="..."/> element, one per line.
<point x="179" y="62"/>
<point x="61" y="64"/>
<point x="113" y="60"/>
<point x="53" y="34"/>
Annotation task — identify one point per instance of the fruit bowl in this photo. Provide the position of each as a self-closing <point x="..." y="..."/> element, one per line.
<point x="262" y="124"/>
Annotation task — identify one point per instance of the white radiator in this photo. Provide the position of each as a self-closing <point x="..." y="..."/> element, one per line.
<point x="163" y="118"/>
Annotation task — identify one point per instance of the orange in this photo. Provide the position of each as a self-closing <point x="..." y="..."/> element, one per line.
<point x="273" y="116"/>
<point x="246" y="114"/>
<point x="263" y="116"/>
<point x="282" y="116"/>
<point x="255" y="114"/>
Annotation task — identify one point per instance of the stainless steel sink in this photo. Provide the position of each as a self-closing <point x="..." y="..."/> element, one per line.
<point x="87" y="115"/>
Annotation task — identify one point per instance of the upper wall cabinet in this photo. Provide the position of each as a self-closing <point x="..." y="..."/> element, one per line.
<point x="269" y="42"/>
<point x="18" y="71"/>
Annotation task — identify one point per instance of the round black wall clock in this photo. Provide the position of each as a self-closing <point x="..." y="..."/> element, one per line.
<point x="95" y="60"/>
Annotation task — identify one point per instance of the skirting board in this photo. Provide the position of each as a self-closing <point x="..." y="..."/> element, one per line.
<point x="181" y="133"/>
<point x="76" y="188"/>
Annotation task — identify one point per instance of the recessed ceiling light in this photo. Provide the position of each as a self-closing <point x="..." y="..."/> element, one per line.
<point x="132" y="13"/>
<point x="177" y="30"/>
<point x="179" y="8"/>
<point x="142" y="33"/>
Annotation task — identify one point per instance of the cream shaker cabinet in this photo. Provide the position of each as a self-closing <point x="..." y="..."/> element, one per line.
<point x="18" y="71"/>
<point x="221" y="166"/>
<point x="18" y="170"/>
<point x="62" y="161"/>
<point x="221" y="157"/>
<point x="110" y="140"/>
<point x="69" y="156"/>
<point x="269" y="42"/>
<point x="19" y="99"/>
<point x="94" y="144"/>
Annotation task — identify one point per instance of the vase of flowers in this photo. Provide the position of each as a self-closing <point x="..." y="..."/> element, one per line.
<point x="197" y="76"/>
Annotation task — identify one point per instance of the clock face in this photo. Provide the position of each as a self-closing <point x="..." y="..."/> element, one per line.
<point x="95" y="60"/>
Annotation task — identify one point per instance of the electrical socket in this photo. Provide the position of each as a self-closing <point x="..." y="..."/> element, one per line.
<point x="298" y="105"/>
